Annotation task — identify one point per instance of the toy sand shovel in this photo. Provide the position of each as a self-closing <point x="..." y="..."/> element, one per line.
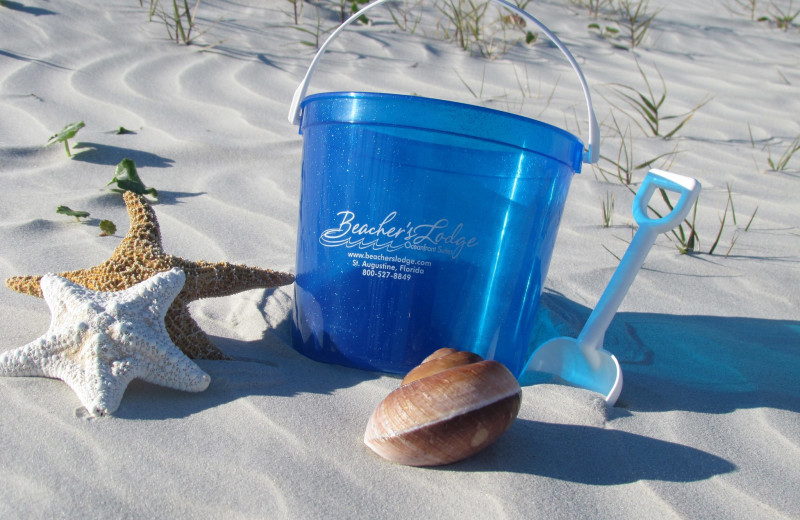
<point x="583" y="362"/>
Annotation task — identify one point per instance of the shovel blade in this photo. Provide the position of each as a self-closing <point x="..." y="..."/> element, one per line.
<point x="563" y="360"/>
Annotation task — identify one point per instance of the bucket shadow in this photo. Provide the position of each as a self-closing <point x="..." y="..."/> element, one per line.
<point x="706" y="364"/>
<point x="593" y="456"/>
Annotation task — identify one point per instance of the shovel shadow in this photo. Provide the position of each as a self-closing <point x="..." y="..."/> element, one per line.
<point x="705" y="364"/>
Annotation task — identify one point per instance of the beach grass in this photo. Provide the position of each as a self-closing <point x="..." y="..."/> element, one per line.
<point x="179" y="18"/>
<point x="594" y="7"/>
<point x="635" y="17"/>
<point x="783" y="18"/>
<point x="646" y="108"/>
<point x="746" y="7"/>
<point x="408" y="16"/>
<point x="607" y="206"/>
<point x="624" y="165"/>
<point x="476" y="28"/>
<point x="782" y="162"/>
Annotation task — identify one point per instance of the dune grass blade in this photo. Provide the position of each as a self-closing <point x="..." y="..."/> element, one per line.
<point x="730" y="198"/>
<point x="636" y="20"/>
<point x="693" y="241"/>
<point x="783" y="18"/>
<point x="746" y="7"/>
<point x="624" y="166"/>
<point x="608" y="209"/>
<point x="728" y="205"/>
<point x="753" y="216"/>
<point x="405" y="18"/>
<point x="593" y="6"/>
<point x="646" y="108"/>
<point x="783" y="161"/>
<point x="180" y="20"/>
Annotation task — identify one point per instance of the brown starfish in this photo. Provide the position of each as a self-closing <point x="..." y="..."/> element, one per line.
<point x="140" y="256"/>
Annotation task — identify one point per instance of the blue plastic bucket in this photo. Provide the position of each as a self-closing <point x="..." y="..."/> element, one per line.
<point x="423" y="224"/>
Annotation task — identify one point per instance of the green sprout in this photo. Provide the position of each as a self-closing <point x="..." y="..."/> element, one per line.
<point x="127" y="179"/>
<point x="65" y="210"/>
<point x="107" y="228"/>
<point x="68" y="132"/>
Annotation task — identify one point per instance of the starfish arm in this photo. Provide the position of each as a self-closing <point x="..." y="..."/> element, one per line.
<point x="188" y="336"/>
<point x="144" y="229"/>
<point x="100" y="389"/>
<point x="158" y="359"/>
<point x="109" y="276"/>
<point x="25" y="285"/>
<point x="25" y="360"/>
<point x="173" y="369"/>
<point x="157" y="293"/>
<point x="98" y="342"/>
<point x="207" y="279"/>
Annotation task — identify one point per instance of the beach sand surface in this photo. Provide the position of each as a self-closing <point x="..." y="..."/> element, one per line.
<point x="708" y="422"/>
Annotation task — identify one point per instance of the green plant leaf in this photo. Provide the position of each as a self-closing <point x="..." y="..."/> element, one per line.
<point x="66" y="133"/>
<point x="127" y="178"/>
<point x="107" y="228"/>
<point x="65" y="210"/>
<point x="122" y="130"/>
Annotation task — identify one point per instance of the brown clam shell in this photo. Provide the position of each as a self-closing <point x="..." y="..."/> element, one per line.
<point x="448" y="408"/>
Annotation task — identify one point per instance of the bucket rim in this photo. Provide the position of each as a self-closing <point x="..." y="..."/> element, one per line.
<point x="354" y="94"/>
<point x="423" y="113"/>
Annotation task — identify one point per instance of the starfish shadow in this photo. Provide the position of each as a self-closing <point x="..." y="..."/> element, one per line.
<point x="268" y="367"/>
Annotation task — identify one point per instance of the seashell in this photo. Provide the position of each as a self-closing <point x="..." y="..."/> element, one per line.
<point x="451" y="406"/>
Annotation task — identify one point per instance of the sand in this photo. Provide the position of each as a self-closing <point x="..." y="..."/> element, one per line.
<point x="707" y="422"/>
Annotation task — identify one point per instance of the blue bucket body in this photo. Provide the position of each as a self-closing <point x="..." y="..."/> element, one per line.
<point x="423" y="224"/>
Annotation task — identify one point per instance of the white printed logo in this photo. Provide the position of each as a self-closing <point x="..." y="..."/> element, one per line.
<point x="438" y="237"/>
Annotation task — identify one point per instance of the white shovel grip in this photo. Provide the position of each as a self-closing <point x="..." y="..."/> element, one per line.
<point x="591" y="155"/>
<point x="686" y="187"/>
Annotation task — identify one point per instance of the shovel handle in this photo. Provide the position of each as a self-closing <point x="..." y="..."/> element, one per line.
<point x="591" y="337"/>
<point x="687" y="187"/>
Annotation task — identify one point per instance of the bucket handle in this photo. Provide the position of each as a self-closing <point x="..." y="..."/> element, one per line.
<point x="591" y="155"/>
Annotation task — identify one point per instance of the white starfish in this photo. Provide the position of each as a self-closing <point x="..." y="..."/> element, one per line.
<point x="98" y="342"/>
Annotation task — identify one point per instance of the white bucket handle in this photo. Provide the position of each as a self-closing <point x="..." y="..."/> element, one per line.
<point x="591" y="155"/>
